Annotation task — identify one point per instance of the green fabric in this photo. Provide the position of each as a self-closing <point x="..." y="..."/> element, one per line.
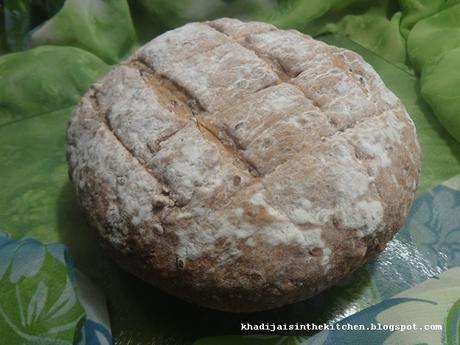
<point x="20" y="16"/>
<point x="416" y="10"/>
<point x="101" y="27"/>
<point x="442" y="93"/>
<point x="36" y="99"/>
<point x="434" y="36"/>
<point x="38" y="302"/>
<point x="438" y="63"/>
<point x="376" y="32"/>
<point x="17" y="18"/>
<point x="44" y="79"/>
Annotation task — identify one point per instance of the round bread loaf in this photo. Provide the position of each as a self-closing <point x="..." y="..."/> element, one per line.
<point x="242" y="167"/>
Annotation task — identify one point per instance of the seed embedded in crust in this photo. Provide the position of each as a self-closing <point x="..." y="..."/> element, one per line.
<point x="236" y="180"/>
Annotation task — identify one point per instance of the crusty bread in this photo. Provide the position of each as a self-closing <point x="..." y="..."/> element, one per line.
<point x="242" y="167"/>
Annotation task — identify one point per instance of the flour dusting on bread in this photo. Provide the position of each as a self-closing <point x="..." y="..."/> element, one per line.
<point x="235" y="160"/>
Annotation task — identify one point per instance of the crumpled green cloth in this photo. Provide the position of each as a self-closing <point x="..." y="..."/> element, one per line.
<point x="433" y="46"/>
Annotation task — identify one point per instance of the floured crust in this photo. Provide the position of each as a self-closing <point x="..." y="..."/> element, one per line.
<point x="242" y="167"/>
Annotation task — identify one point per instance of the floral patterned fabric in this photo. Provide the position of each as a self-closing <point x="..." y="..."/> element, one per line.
<point x="43" y="300"/>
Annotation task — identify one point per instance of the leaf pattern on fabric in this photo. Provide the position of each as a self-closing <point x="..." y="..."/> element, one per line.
<point x="27" y="261"/>
<point x="435" y="226"/>
<point x="38" y="303"/>
<point x="95" y="333"/>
